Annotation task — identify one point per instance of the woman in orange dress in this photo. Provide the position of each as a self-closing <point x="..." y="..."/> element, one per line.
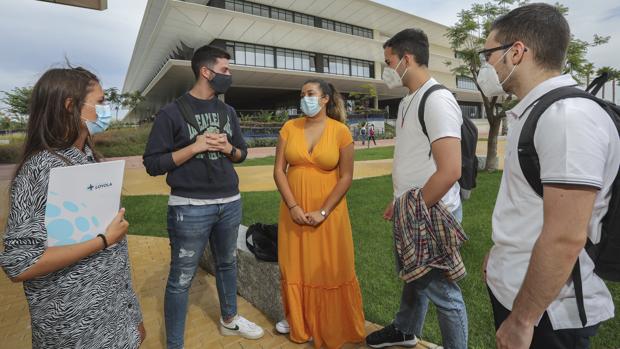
<point x="313" y="172"/>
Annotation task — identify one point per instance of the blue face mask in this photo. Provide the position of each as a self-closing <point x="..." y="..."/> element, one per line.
<point x="310" y="106"/>
<point x="104" y="116"/>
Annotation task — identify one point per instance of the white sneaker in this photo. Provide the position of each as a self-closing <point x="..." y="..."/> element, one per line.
<point x="240" y="326"/>
<point x="283" y="327"/>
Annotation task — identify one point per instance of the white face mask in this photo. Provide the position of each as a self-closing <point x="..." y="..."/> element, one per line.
<point x="310" y="106"/>
<point x="488" y="80"/>
<point x="391" y="78"/>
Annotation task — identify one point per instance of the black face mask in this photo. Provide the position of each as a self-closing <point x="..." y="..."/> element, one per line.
<point x="220" y="82"/>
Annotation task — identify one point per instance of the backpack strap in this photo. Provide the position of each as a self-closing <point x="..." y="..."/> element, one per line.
<point x="188" y="113"/>
<point x="530" y="164"/>
<point x="422" y="106"/>
<point x="528" y="157"/>
<point x="222" y="111"/>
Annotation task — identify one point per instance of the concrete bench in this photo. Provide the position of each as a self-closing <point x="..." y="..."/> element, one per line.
<point x="257" y="281"/>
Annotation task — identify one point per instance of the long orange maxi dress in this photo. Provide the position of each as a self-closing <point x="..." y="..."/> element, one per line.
<point x="320" y="291"/>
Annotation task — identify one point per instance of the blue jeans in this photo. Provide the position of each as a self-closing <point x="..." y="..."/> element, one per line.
<point x="189" y="229"/>
<point x="448" y="299"/>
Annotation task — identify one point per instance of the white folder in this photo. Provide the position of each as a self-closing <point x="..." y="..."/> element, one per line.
<point x="82" y="200"/>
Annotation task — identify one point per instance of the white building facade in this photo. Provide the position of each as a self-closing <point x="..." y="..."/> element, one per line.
<point x="275" y="46"/>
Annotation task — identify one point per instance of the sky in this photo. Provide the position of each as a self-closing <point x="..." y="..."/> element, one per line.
<point x="38" y="35"/>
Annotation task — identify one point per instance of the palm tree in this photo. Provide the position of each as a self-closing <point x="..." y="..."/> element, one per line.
<point x="614" y="78"/>
<point x="130" y="100"/>
<point x="613" y="75"/>
<point x="588" y="70"/>
<point x="114" y="98"/>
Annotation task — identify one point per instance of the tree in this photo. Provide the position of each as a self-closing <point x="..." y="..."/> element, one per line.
<point x="576" y="63"/>
<point x="18" y="100"/>
<point x="588" y="70"/>
<point x="130" y="100"/>
<point x="114" y="98"/>
<point x="369" y="94"/>
<point x="468" y="36"/>
<point x="613" y="75"/>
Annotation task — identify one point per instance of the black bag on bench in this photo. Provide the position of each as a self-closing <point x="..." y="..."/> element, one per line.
<point x="264" y="244"/>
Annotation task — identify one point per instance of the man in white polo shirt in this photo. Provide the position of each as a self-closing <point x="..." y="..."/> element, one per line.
<point x="432" y="163"/>
<point x="537" y="240"/>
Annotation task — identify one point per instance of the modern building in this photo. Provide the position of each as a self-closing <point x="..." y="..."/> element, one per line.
<point x="275" y="46"/>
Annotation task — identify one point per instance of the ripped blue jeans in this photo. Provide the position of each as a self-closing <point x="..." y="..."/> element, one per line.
<point x="190" y="228"/>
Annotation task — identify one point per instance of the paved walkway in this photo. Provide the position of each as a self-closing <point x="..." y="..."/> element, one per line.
<point x="150" y="257"/>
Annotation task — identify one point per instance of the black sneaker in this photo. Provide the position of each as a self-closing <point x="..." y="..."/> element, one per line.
<point x="390" y="336"/>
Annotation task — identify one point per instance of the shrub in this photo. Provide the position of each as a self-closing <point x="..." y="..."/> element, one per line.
<point x="123" y="142"/>
<point x="262" y="142"/>
<point x="10" y="153"/>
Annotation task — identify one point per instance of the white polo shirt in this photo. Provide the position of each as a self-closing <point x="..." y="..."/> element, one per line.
<point x="412" y="167"/>
<point x="577" y="143"/>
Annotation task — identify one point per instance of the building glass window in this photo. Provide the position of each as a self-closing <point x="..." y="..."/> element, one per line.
<point x="360" y="68"/>
<point x="472" y="111"/>
<point x="260" y="56"/>
<point x="346" y="66"/>
<point x="269" y="57"/>
<point x="281" y="58"/>
<point x="295" y="17"/>
<point x="240" y="54"/>
<point x="327" y="24"/>
<point x="248" y="54"/>
<point x="283" y="15"/>
<point x="465" y="82"/>
<point x="304" y="19"/>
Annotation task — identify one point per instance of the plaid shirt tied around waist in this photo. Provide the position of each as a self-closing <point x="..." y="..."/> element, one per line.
<point x="426" y="239"/>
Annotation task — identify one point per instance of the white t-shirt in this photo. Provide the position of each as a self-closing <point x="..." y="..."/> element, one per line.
<point x="412" y="166"/>
<point x="174" y="200"/>
<point x="576" y="143"/>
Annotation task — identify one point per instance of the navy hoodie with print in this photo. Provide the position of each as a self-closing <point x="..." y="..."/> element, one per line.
<point x="208" y="175"/>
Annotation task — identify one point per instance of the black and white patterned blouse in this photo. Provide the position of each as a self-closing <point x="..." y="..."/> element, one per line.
<point x="90" y="304"/>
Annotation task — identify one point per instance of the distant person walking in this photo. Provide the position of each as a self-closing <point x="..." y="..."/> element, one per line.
<point x="371" y="134"/>
<point x="363" y="133"/>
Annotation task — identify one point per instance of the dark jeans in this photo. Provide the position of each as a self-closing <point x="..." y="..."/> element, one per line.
<point x="545" y="337"/>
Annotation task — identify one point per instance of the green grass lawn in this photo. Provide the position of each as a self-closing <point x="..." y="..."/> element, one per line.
<point x="374" y="260"/>
<point x="376" y="153"/>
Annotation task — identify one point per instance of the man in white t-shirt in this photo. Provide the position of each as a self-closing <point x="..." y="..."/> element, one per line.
<point x="435" y="167"/>
<point x="538" y="240"/>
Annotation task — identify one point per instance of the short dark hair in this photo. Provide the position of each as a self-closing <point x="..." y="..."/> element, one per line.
<point x="541" y="27"/>
<point x="206" y="56"/>
<point x="412" y="41"/>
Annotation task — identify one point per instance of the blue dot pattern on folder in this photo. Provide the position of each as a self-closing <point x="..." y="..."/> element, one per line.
<point x="65" y="221"/>
<point x="70" y="206"/>
<point x="82" y="224"/>
<point x="52" y="210"/>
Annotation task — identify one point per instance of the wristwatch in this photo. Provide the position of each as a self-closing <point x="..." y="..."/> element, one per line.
<point x="323" y="213"/>
<point x="232" y="152"/>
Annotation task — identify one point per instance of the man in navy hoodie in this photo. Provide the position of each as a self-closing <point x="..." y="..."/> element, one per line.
<point x="195" y="140"/>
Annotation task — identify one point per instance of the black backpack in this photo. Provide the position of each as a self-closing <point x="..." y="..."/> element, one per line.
<point x="469" y="141"/>
<point x="606" y="253"/>
<point x="264" y="244"/>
